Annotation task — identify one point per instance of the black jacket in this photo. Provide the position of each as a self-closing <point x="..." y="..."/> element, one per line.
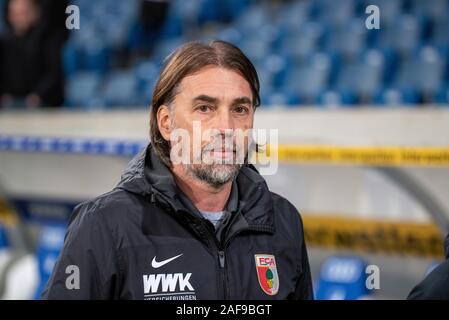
<point x="32" y="64"/>
<point x="436" y="284"/>
<point x="140" y="241"/>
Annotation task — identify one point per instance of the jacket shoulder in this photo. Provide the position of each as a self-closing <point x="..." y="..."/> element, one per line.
<point x="287" y="217"/>
<point x="115" y="206"/>
<point x="284" y="205"/>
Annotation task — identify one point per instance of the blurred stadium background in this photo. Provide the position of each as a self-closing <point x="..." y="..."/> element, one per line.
<point x="362" y="115"/>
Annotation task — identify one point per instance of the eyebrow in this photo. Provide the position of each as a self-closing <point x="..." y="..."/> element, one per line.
<point x="206" y="98"/>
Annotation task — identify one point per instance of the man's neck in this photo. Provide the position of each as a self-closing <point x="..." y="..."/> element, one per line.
<point x="202" y="195"/>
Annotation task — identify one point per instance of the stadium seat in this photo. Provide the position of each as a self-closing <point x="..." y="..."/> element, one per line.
<point x="49" y="247"/>
<point x="231" y="34"/>
<point x="347" y="39"/>
<point x="397" y="97"/>
<point x="71" y="58"/>
<point x="440" y="34"/>
<point x="82" y="88"/>
<point x="211" y="11"/>
<point x="286" y="99"/>
<point x="333" y="98"/>
<point x="309" y="79"/>
<point x="121" y="89"/>
<point x="18" y="271"/>
<point x="442" y="96"/>
<point x="303" y="42"/>
<point x="5" y="252"/>
<point x="342" y="278"/>
<point x="146" y="74"/>
<point x="390" y="10"/>
<point x="435" y="10"/>
<point x="95" y="56"/>
<point x="362" y="78"/>
<point x="402" y="35"/>
<point x="256" y="49"/>
<point x="276" y="65"/>
<point x="423" y="73"/>
<point x="173" y="25"/>
<point x="280" y="39"/>
<point x="252" y="19"/>
<point x="335" y="12"/>
<point x="166" y="46"/>
<point x="294" y="15"/>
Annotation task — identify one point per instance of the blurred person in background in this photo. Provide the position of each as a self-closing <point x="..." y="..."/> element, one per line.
<point x="147" y="28"/>
<point x="30" y="55"/>
<point x="436" y="284"/>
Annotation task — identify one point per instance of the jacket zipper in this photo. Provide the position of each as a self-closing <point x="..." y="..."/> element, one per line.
<point x="222" y="273"/>
<point x="221" y="256"/>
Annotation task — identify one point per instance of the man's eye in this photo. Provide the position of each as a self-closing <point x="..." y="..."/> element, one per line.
<point x="204" y="108"/>
<point x="241" y="109"/>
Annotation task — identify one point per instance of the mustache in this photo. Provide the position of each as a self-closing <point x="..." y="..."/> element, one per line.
<point x="226" y="145"/>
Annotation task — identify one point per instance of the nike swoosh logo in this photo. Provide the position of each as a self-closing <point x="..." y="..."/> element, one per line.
<point x="156" y="264"/>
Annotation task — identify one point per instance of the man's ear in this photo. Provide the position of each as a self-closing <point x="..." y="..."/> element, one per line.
<point x="164" y="121"/>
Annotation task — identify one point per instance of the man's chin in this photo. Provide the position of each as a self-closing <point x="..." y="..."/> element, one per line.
<point x="215" y="175"/>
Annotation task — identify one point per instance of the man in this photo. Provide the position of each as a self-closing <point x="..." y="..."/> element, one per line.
<point x="189" y="230"/>
<point x="436" y="284"/>
<point x="30" y="58"/>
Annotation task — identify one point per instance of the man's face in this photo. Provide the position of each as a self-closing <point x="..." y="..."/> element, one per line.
<point x="220" y="101"/>
<point x="22" y="14"/>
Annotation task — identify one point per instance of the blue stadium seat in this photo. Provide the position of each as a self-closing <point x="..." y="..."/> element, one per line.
<point x="174" y="25"/>
<point x="303" y="42"/>
<point x="210" y="11"/>
<point x="442" y="96"/>
<point x="146" y="74"/>
<point x="389" y="10"/>
<point x="277" y="66"/>
<point x="440" y="34"/>
<point x="435" y="10"/>
<point x="347" y="39"/>
<point x="309" y="79"/>
<point x="4" y="243"/>
<point x="121" y="89"/>
<point x="5" y="250"/>
<point x="281" y="99"/>
<point x="396" y="97"/>
<point x="50" y="244"/>
<point x="403" y="34"/>
<point x="165" y="47"/>
<point x="423" y="73"/>
<point x="280" y="40"/>
<point x="362" y="78"/>
<point x="95" y="56"/>
<point x="81" y="89"/>
<point x="333" y="98"/>
<point x="335" y="12"/>
<point x="231" y="34"/>
<point x="71" y="58"/>
<point x="294" y="15"/>
<point x="252" y="20"/>
<point x="256" y="49"/>
<point x="342" y="278"/>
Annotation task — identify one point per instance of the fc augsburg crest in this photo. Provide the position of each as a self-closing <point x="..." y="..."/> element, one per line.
<point x="267" y="273"/>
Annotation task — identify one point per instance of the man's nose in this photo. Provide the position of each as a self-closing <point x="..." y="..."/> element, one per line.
<point x="224" y="121"/>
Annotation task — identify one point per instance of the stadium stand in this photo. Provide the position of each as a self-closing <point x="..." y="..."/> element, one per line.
<point x="307" y="52"/>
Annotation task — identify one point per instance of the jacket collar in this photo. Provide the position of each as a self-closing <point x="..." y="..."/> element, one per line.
<point x="146" y="175"/>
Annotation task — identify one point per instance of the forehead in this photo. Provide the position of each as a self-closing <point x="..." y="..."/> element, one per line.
<point x="216" y="82"/>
